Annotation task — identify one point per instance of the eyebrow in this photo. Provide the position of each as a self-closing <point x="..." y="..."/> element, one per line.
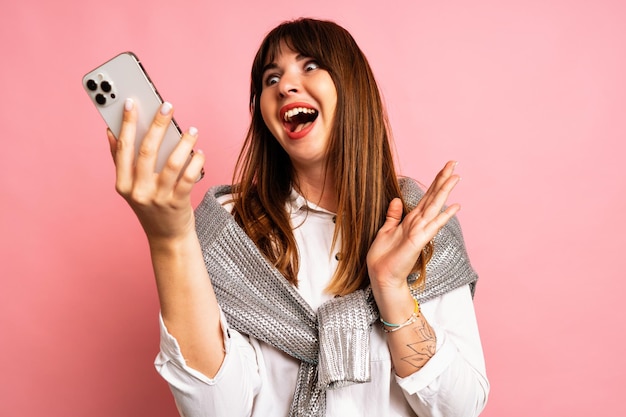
<point x="273" y="65"/>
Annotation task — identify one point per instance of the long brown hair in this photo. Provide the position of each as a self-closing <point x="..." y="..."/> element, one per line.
<point x="359" y="153"/>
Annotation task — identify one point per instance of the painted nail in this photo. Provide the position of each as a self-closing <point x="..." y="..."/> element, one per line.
<point x="166" y="108"/>
<point x="193" y="131"/>
<point x="128" y="104"/>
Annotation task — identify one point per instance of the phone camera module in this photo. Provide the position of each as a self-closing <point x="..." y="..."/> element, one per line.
<point x="92" y="85"/>
<point x="102" y="91"/>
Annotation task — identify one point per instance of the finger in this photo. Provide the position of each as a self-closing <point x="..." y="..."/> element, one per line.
<point x="149" y="148"/>
<point x="431" y="209"/>
<point x="189" y="178"/>
<point x="112" y="143"/>
<point x="394" y="214"/>
<point x="125" y="148"/>
<point x="437" y="211"/>
<point x="442" y="176"/>
<point x="433" y="227"/>
<point x="427" y="227"/>
<point x="178" y="161"/>
<point x="438" y="199"/>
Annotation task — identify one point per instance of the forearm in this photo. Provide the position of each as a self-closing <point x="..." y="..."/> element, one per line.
<point x="453" y="382"/>
<point x="162" y="204"/>
<point x="411" y="346"/>
<point x="188" y="304"/>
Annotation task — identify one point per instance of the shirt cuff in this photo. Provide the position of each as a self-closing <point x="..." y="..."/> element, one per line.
<point x="170" y="351"/>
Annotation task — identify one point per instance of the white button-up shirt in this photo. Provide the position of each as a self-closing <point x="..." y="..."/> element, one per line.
<point x="259" y="380"/>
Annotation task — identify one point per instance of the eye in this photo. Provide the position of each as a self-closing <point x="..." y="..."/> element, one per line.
<point x="271" y="79"/>
<point x="311" y="65"/>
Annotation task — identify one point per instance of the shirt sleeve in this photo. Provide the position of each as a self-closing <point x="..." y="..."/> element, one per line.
<point x="454" y="381"/>
<point x="230" y="393"/>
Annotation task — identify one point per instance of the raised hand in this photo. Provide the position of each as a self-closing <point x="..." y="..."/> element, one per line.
<point x="399" y="242"/>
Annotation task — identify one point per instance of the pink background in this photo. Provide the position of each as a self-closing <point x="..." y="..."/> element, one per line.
<point x="528" y="95"/>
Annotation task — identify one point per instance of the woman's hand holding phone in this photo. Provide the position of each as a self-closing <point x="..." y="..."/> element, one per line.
<point x="161" y="200"/>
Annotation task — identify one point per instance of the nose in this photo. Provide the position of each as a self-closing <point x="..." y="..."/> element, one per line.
<point x="289" y="84"/>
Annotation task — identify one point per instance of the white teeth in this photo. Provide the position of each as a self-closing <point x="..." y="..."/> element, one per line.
<point x="291" y="113"/>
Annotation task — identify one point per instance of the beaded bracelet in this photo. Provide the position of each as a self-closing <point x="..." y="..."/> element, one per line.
<point x="389" y="327"/>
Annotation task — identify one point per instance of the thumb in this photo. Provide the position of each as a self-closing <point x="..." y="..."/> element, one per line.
<point x="394" y="213"/>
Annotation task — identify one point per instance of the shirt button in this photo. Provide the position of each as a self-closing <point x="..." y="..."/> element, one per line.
<point x="338" y="256"/>
<point x="334" y="219"/>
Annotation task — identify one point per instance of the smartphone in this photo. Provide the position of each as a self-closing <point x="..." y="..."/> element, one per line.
<point x="122" y="77"/>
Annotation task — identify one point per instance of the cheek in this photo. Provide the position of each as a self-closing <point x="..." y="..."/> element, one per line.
<point x="331" y="107"/>
<point x="267" y="110"/>
<point x="329" y="92"/>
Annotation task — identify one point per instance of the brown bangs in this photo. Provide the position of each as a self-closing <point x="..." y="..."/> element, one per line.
<point x="319" y="40"/>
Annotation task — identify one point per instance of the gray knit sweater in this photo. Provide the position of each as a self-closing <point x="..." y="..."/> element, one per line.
<point x="332" y="345"/>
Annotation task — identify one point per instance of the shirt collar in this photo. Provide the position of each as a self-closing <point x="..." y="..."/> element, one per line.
<point x="297" y="202"/>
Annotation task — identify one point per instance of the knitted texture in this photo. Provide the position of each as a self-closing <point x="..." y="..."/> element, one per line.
<point x="332" y="345"/>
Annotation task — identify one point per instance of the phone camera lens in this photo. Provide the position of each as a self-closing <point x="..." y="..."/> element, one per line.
<point x="100" y="99"/>
<point x="105" y="86"/>
<point x="92" y="85"/>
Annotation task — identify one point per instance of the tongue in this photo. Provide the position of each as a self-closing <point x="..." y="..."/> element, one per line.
<point x="298" y="128"/>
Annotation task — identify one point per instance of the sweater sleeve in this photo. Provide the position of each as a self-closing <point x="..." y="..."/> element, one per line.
<point x="230" y="393"/>
<point x="454" y="381"/>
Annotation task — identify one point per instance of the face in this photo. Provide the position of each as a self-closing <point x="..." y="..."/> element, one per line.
<point x="298" y="104"/>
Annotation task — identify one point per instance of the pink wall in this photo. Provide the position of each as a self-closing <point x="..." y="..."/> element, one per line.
<point x="528" y="95"/>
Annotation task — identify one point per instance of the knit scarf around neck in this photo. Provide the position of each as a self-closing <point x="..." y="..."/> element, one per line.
<point x="332" y="345"/>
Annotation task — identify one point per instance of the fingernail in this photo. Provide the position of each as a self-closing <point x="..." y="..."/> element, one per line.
<point x="193" y="131"/>
<point x="166" y="108"/>
<point x="128" y="104"/>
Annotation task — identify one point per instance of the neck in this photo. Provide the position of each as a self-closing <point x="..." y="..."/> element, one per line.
<point x="317" y="187"/>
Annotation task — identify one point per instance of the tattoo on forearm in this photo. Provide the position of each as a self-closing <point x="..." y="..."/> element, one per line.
<point x="424" y="349"/>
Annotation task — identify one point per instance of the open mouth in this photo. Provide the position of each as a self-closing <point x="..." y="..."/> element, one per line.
<point x="299" y="118"/>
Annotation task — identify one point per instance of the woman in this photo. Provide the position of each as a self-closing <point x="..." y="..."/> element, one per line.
<point x="319" y="283"/>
